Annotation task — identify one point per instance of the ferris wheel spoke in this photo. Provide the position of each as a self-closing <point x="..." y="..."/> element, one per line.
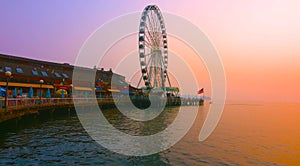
<point x="152" y="21"/>
<point x="146" y="60"/>
<point x="158" y="25"/>
<point x="149" y="25"/>
<point x="149" y="36"/>
<point x="148" y="44"/>
<point x="151" y="28"/>
<point x="146" y="55"/>
<point x="156" y="39"/>
<point x="156" y="29"/>
<point x="149" y="60"/>
<point x="160" y="37"/>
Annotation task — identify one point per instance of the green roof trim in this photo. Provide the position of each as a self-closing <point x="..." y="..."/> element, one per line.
<point x="172" y="89"/>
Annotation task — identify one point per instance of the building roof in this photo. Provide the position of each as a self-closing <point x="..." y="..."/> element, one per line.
<point x="31" y="71"/>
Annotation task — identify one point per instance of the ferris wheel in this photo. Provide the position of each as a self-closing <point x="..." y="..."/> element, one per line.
<point x="153" y="49"/>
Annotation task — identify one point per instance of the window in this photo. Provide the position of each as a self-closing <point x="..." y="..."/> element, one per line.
<point x="8" y="69"/>
<point x="34" y="72"/>
<point x="19" y="70"/>
<point x="1" y="70"/>
<point x="57" y="75"/>
<point x="44" y="73"/>
<point x="65" y="75"/>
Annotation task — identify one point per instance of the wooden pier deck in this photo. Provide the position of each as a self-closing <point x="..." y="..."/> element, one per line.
<point x="19" y="107"/>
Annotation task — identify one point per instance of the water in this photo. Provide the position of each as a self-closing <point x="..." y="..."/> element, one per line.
<point x="247" y="134"/>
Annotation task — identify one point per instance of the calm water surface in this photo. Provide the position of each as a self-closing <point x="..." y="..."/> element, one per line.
<point x="247" y="134"/>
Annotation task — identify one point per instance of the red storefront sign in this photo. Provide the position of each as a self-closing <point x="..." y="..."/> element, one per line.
<point x="63" y="87"/>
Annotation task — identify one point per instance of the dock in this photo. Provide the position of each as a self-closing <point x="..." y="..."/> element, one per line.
<point x="18" y="108"/>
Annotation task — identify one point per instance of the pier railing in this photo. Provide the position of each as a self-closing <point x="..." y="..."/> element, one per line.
<point x="23" y="102"/>
<point x="18" y="107"/>
<point x="13" y="103"/>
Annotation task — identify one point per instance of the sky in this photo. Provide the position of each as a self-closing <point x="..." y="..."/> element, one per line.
<point x="257" y="40"/>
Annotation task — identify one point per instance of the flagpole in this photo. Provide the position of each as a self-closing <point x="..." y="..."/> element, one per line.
<point x="199" y="92"/>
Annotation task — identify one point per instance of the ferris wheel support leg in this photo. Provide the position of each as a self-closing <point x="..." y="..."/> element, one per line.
<point x="139" y="81"/>
<point x="168" y="80"/>
<point x="155" y="74"/>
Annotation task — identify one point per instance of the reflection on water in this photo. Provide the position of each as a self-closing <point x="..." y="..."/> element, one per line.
<point x="141" y="128"/>
<point x="248" y="134"/>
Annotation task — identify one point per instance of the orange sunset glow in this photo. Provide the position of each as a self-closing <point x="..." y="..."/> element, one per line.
<point x="156" y="82"/>
<point x="257" y="42"/>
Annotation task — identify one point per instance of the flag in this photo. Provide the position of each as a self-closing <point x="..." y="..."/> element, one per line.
<point x="200" y="91"/>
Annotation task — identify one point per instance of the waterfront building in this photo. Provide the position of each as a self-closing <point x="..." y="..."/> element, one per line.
<point x="28" y="73"/>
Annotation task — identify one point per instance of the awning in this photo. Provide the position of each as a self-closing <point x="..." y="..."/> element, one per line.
<point x="26" y="85"/>
<point x="126" y="92"/>
<point x="82" y="88"/>
<point x="113" y="90"/>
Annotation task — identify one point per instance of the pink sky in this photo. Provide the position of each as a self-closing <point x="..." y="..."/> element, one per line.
<point x="258" y="41"/>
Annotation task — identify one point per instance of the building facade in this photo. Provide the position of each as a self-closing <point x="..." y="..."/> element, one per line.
<point x="56" y="78"/>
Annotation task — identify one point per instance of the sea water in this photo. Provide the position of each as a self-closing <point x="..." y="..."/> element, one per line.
<point x="248" y="133"/>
